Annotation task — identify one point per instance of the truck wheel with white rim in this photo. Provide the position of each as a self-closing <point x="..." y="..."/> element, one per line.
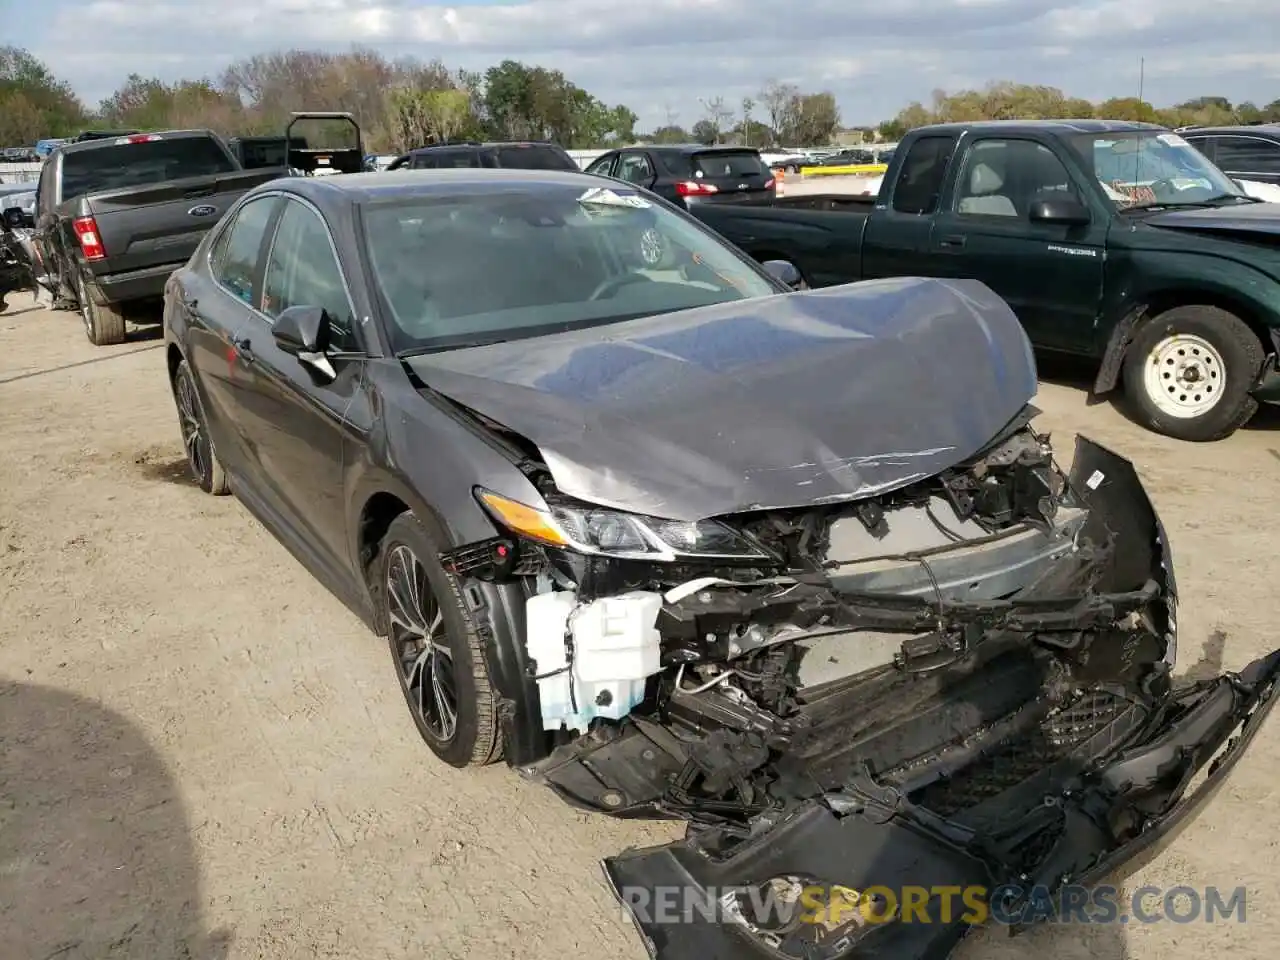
<point x="1189" y="371"/>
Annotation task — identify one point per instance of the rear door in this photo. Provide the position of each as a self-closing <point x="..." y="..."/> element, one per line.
<point x="896" y="240"/>
<point x="295" y="426"/>
<point x="737" y="174"/>
<point x="217" y="302"/>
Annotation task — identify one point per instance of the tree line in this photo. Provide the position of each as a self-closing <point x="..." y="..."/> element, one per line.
<point x="1017" y="101"/>
<point x="398" y="103"/>
<point x="407" y="102"/>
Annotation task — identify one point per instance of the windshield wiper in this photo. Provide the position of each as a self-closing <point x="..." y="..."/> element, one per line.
<point x="442" y="347"/>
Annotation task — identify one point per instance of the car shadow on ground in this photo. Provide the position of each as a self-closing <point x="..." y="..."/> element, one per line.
<point x="1079" y="373"/>
<point x="96" y="854"/>
<point x="144" y="334"/>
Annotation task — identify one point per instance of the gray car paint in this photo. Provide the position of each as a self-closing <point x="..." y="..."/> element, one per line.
<point x="787" y="401"/>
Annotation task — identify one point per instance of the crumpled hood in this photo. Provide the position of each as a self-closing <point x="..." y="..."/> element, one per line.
<point x="1251" y="218"/>
<point x="784" y="401"/>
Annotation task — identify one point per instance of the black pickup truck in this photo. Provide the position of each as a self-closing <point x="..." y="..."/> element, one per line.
<point x="1115" y="241"/>
<point x="116" y="215"/>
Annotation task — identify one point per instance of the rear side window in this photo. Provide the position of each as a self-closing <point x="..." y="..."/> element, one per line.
<point x="234" y="259"/>
<point x="1245" y="155"/>
<point x="919" y="182"/>
<point x="726" y="164"/>
<point x="535" y="157"/>
<point x="138" y="164"/>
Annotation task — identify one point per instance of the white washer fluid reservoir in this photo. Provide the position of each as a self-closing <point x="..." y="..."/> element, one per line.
<point x="615" y="647"/>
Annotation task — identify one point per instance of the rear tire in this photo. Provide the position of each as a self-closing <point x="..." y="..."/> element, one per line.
<point x="1189" y="370"/>
<point x="104" y="325"/>
<point x="202" y="460"/>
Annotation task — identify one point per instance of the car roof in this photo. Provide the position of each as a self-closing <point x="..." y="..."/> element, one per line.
<point x="333" y="194"/>
<point x="1268" y="130"/>
<point x="687" y="148"/>
<point x="488" y="144"/>
<point x="1041" y="126"/>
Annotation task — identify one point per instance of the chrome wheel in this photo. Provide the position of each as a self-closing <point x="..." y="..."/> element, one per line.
<point x="418" y="639"/>
<point x="1184" y="376"/>
<point x="195" y="439"/>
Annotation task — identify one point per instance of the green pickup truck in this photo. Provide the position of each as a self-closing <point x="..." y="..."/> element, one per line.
<point x="1115" y="241"/>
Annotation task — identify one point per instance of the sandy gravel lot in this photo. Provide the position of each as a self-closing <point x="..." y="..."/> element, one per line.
<point x="203" y="755"/>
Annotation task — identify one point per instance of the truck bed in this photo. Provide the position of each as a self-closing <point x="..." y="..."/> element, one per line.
<point x="802" y="230"/>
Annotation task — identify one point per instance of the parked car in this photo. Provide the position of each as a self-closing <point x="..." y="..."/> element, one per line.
<point x="472" y="154"/>
<point x="691" y="174"/>
<point x="1244" y="153"/>
<point x="622" y="506"/>
<point x="1114" y="241"/>
<point x="114" y="217"/>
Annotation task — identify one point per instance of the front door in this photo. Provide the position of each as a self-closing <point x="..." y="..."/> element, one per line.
<point x="896" y="238"/>
<point x="1050" y="274"/>
<point x="298" y="428"/>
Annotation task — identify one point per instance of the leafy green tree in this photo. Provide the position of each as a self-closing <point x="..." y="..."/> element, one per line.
<point x="34" y="104"/>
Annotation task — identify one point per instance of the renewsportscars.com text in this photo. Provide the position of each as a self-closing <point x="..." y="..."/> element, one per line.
<point x="1008" y="905"/>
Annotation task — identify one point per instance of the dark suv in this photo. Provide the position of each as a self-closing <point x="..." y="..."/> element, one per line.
<point x="1245" y="153"/>
<point x="519" y="155"/>
<point x="691" y="173"/>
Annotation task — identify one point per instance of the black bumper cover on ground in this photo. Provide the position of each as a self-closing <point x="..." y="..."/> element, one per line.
<point x="842" y="839"/>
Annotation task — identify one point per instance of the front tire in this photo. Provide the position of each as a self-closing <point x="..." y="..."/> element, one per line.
<point x="1189" y="370"/>
<point x="438" y="653"/>
<point x="205" y="468"/>
<point x="103" y="325"/>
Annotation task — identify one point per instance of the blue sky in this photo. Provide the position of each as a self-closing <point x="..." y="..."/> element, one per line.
<point x="660" y="57"/>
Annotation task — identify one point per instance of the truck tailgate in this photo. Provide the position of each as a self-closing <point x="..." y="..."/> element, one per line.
<point x="159" y="224"/>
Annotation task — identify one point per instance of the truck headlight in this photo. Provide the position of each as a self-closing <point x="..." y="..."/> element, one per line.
<point x="614" y="533"/>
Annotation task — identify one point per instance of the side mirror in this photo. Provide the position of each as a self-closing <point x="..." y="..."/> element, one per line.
<point x="303" y="332"/>
<point x="15" y="218"/>
<point x="785" y="272"/>
<point x="1064" y="211"/>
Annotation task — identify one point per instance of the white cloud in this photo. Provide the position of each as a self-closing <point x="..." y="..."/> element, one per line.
<point x="665" y="54"/>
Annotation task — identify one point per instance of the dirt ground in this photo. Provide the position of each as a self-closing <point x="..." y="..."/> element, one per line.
<point x="203" y="755"/>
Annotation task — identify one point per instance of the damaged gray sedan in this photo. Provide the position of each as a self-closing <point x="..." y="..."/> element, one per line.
<point x="794" y="567"/>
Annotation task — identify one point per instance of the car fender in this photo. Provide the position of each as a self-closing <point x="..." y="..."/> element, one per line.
<point x="1162" y="280"/>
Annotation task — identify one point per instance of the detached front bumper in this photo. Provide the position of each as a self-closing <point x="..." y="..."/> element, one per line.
<point x="1047" y="817"/>
<point x="677" y="894"/>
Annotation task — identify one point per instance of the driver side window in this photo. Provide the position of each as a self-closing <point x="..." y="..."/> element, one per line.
<point x="1003" y="178"/>
<point x="303" y="271"/>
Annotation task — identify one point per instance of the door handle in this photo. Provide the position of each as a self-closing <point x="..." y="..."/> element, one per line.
<point x="953" y="240"/>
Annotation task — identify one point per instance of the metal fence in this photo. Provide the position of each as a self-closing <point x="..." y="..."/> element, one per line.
<point x="19" y="172"/>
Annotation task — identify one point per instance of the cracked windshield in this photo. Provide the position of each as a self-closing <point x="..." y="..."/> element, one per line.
<point x="1150" y="169"/>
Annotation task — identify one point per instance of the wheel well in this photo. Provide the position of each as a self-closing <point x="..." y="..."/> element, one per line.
<point x="1168" y="299"/>
<point x="376" y="518"/>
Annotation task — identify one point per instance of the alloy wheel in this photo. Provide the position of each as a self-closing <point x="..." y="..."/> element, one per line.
<point x="195" y="439"/>
<point x="421" y="647"/>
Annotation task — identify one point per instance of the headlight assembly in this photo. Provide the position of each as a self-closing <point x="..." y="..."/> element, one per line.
<point x="614" y="533"/>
